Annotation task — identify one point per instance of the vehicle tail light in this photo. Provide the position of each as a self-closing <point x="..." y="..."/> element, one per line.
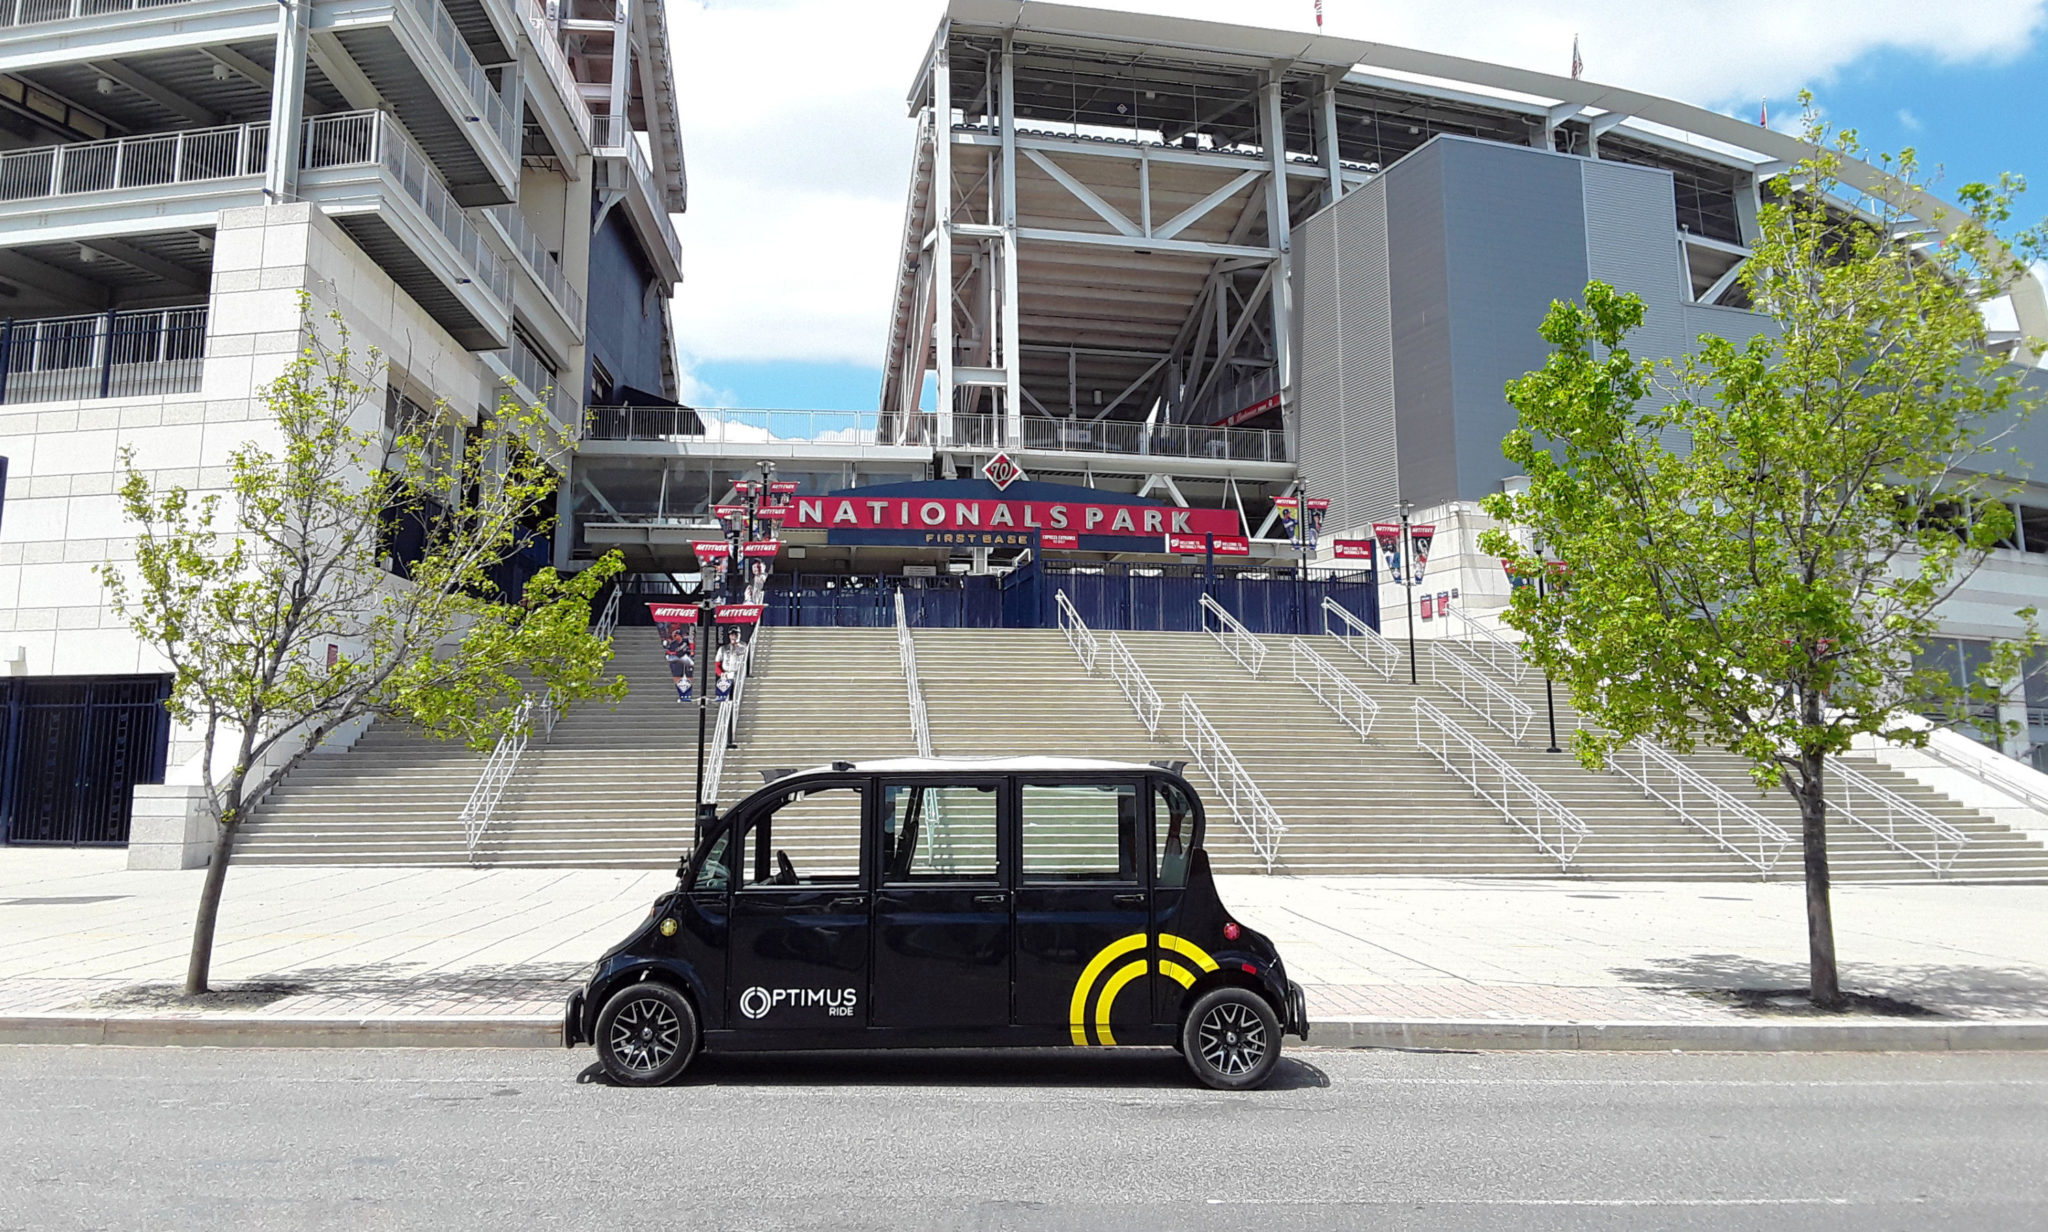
<point x="1248" y="968"/>
<point x="1230" y="931"/>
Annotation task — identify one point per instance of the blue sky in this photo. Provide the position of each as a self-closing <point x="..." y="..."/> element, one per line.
<point x="797" y="192"/>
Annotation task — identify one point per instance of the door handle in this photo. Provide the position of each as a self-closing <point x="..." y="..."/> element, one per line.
<point x="1129" y="900"/>
<point x="991" y="900"/>
<point x="847" y="904"/>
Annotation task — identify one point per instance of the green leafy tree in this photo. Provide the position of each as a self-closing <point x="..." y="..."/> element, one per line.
<point x="1754" y="541"/>
<point x="285" y="615"/>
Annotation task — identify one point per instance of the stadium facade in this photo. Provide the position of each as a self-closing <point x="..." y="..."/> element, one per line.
<point x="1153" y="263"/>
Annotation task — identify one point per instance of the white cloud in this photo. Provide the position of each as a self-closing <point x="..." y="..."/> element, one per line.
<point x="1909" y="121"/>
<point x="799" y="145"/>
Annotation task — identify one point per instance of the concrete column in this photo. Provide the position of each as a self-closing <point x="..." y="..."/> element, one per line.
<point x="1326" y="145"/>
<point x="167" y="829"/>
<point x="1280" y="235"/>
<point x="1012" y="356"/>
<point x="942" y="217"/>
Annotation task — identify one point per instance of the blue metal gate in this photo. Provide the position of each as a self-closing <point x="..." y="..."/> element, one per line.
<point x="72" y="750"/>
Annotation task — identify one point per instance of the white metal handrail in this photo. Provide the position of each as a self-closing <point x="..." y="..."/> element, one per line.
<point x="1079" y="635"/>
<point x="722" y="733"/>
<point x="1372" y="648"/>
<point x="546" y="267"/>
<point x="1261" y="822"/>
<point x="906" y="655"/>
<point x="150" y="160"/>
<point x="1233" y="636"/>
<point x="1334" y="689"/>
<point x="549" y="44"/>
<point x="1124" y="669"/>
<point x="1126" y="438"/>
<point x="1470" y="684"/>
<point x="1530" y="809"/>
<point x="613" y="137"/>
<point x="31" y="12"/>
<point x="1987" y="770"/>
<point x="1901" y="824"/>
<point x="608" y="620"/>
<point x="490" y="785"/>
<point x="1486" y="642"/>
<point x="491" y="109"/>
<point x="1733" y="823"/>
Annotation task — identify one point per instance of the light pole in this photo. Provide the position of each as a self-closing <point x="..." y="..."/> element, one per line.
<point x="1542" y="592"/>
<point x="1407" y="580"/>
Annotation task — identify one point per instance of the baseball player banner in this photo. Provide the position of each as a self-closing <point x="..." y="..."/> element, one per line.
<point x="1388" y="535"/>
<point x="1419" y="539"/>
<point x="677" y="623"/>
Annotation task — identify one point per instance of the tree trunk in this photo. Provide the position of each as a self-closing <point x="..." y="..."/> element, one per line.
<point x="1823" y="981"/>
<point x="201" y="962"/>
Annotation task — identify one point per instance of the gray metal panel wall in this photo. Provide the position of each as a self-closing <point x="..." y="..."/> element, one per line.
<point x="1632" y="245"/>
<point x="1420" y="292"/>
<point x="1515" y="240"/>
<point x="1345" y="391"/>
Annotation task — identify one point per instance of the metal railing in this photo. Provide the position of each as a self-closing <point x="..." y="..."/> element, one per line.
<point x="32" y="12"/>
<point x="1261" y="822"/>
<point x="490" y="105"/>
<point x="490" y="785"/>
<point x="549" y="45"/>
<point x="906" y="656"/>
<point x="368" y="137"/>
<point x="1735" y="825"/>
<point x="1530" y="809"/>
<point x="550" y="389"/>
<point x="1235" y="639"/>
<point x="1334" y="689"/>
<point x="106" y="355"/>
<point x="1079" y="635"/>
<point x="1047" y="435"/>
<point x="1124" y="669"/>
<point x="725" y="732"/>
<point x="1361" y="639"/>
<point x="546" y="267"/>
<point x="1899" y="823"/>
<point x="1485" y="642"/>
<point x="150" y="160"/>
<point x="613" y="137"/>
<point x="1984" y="765"/>
<point x="1448" y="669"/>
<point x="727" y="426"/>
<point x="607" y="622"/>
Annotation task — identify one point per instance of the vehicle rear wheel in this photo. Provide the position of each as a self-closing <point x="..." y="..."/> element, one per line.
<point x="646" y="1034"/>
<point x="1231" y="1039"/>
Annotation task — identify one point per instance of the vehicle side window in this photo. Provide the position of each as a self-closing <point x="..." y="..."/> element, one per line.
<point x="811" y="837"/>
<point x="1173" y="818"/>
<point x="938" y="833"/>
<point x="714" y="875"/>
<point x="1080" y="832"/>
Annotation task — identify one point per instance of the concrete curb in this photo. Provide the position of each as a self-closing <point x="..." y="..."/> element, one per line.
<point x="253" y="1031"/>
<point x="2026" y="1034"/>
<point x="474" y="1031"/>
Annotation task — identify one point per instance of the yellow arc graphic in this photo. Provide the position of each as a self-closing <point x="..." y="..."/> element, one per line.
<point x="1108" y="955"/>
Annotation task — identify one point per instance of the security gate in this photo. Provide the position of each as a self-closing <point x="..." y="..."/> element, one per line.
<point x="72" y="750"/>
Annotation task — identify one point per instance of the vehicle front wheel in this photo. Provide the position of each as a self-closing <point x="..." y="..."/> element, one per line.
<point x="646" y="1034"/>
<point x="1231" y="1039"/>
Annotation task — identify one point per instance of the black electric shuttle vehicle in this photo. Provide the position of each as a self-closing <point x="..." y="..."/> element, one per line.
<point x="938" y="903"/>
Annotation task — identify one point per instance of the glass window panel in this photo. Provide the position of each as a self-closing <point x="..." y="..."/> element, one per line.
<point x="815" y="832"/>
<point x="938" y="833"/>
<point x="1173" y="818"/>
<point x="1080" y="832"/>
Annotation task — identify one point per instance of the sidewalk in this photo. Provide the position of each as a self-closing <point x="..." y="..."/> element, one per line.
<point x="427" y="955"/>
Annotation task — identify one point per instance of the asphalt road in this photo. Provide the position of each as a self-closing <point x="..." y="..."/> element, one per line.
<point x="178" y="1138"/>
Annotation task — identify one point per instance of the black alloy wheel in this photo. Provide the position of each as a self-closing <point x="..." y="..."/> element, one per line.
<point x="1231" y="1039"/>
<point x="646" y="1035"/>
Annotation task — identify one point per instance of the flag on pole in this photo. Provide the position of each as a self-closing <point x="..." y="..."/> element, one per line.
<point x="1763" y="117"/>
<point x="1319" y="14"/>
<point x="1578" y="65"/>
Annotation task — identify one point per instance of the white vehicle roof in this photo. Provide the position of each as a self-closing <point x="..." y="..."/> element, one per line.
<point x="991" y="765"/>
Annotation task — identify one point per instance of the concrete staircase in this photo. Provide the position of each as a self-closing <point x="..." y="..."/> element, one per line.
<point x="611" y="787"/>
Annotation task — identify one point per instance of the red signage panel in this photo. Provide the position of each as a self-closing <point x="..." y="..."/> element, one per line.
<point x="1352" y="549"/>
<point x="945" y="514"/>
<point x="739" y="613"/>
<point x="711" y="548"/>
<point x="761" y="547"/>
<point x="673" y="613"/>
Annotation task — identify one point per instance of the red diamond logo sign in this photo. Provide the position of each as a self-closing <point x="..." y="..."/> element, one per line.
<point x="1001" y="472"/>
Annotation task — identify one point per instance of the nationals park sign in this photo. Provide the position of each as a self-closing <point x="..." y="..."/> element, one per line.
<point x="974" y="512"/>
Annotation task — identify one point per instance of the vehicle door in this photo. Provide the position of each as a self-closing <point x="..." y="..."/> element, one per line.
<point x="1084" y="924"/>
<point x="799" y="926"/>
<point x="942" y="907"/>
<point x="1177" y="830"/>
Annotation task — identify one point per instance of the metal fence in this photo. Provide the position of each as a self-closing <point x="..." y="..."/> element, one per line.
<point x="106" y="355"/>
<point x="72" y="750"/>
<point x="546" y="267"/>
<point x="556" y="62"/>
<point x="725" y="426"/>
<point x="613" y="136"/>
<point x="490" y="105"/>
<point x="1047" y="435"/>
<point x="151" y="160"/>
<point x="34" y="12"/>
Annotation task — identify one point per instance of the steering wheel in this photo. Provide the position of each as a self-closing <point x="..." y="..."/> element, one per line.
<point x="785" y="872"/>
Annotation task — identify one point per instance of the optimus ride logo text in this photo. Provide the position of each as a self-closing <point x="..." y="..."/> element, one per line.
<point x="757" y="1002"/>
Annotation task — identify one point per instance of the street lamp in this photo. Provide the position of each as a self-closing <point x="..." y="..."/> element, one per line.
<point x="1407" y="580"/>
<point x="1542" y="591"/>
